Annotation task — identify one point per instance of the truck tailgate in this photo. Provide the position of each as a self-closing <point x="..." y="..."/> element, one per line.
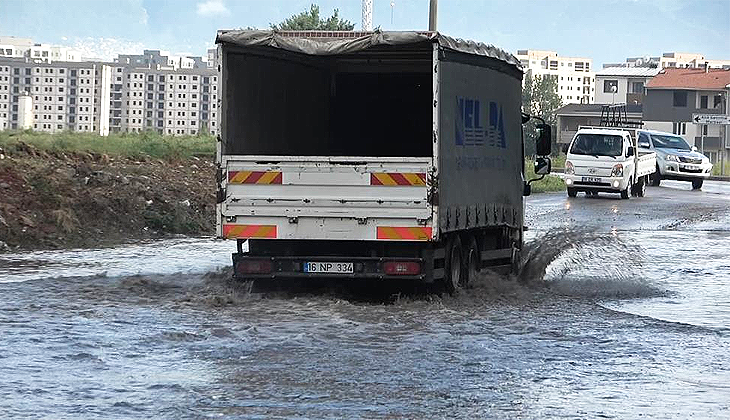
<point x="313" y="197"/>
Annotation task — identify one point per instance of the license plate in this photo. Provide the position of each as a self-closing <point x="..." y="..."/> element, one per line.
<point x="328" y="267"/>
<point x="590" y="179"/>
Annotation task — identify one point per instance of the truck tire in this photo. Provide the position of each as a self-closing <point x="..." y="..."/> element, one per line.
<point x="641" y="187"/>
<point x="572" y="192"/>
<point x="453" y="265"/>
<point x="472" y="262"/>
<point x="656" y="177"/>
<point x="697" y="184"/>
<point x="625" y="194"/>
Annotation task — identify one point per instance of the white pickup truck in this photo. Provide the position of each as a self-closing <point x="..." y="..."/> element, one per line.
<point x="606" y="159"/>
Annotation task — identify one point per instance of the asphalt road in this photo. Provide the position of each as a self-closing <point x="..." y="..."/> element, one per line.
<point x="670" y="206"/>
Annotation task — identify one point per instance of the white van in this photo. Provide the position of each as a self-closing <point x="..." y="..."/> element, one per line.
<point x="606" y="159"/>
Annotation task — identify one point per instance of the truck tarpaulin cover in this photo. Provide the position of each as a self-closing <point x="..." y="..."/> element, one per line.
<point x="313" y="93"/>
<point x="320" y="43"/>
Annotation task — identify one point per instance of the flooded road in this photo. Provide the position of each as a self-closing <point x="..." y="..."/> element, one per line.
<point x="631" y="319"/>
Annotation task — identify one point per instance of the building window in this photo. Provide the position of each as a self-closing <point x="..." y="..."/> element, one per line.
<point x="704" y="129"/>
<point x="718" y="100"/>
<point x="679" y="128"/>
<point x="680" y="99"/>
<point x="703" y="102"/>
<point x="637" y="87"/>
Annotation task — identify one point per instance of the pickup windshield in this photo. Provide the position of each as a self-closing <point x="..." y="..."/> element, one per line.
<point x="669" y="142"/>
<point x="597" y="145"/>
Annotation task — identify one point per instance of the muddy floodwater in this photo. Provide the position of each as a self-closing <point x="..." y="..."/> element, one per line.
<point x="623" y="312"/>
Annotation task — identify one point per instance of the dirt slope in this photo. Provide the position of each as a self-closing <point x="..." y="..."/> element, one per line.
<point x="64" y="200"/>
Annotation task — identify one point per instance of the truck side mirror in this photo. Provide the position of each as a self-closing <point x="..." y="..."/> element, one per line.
<point x="630" y="152"/>
<point x="542" y="166"/>
<point x="565" y="147"/>
<point x="543" y="145"/>
<point x="694" y="148"/>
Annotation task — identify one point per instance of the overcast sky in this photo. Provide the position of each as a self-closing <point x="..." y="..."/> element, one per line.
<point x="606" y="31"/>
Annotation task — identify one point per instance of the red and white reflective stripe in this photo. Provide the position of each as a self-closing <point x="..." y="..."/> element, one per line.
<point x="398" y="178"/>
<point x="254" y="177"/>
<point x="404" y="233"/>
<point x="249" y="231"/>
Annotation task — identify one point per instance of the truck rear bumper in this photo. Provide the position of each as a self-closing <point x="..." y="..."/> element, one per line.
<point x="257" y="267"/>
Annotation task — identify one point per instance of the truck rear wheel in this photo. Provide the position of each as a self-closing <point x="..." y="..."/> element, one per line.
<point x="472" y="260"/>
<point x="641" y="187"/>
<point x="697" y="184"/>
<point x="453" y="265"/>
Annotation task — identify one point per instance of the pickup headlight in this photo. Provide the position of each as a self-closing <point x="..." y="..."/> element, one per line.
<point x="569" y="168"/>
<point x="618" y="170"/>
<point x="672" y="158"/>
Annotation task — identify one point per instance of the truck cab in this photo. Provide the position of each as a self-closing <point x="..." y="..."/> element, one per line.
<point x="607" y="159"/>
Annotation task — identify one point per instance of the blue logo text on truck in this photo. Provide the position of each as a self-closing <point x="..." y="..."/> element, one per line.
<point x="470" y="119"/>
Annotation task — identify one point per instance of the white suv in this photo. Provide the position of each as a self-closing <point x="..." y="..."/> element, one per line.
<point x="675" y="158"/>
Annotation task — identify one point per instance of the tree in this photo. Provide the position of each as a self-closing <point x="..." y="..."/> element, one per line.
<point x="540" y="98"/>
<point x="310" y="21"/>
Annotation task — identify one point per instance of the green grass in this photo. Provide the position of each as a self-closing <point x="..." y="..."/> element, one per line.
<point x="131" y="145"/>
<point x="558" y="162"/>
<point x="548" y="184"/>
<point x="716" y="169"/>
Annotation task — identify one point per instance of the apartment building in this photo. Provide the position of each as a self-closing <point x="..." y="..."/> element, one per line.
<point x="623" y="84"/>
<point x="109" y="97"/>
<point x="63" y="95"/>
<point x="576" y="80"/>
<point x="161" y="60"/>
<point x="176" y="102"/>
<point x="13" y="47"/>
<point x="673" y="60"/>
<point x="213" y="58"/>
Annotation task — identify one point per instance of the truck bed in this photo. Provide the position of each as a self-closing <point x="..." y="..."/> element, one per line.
<point x="645" y="163"/>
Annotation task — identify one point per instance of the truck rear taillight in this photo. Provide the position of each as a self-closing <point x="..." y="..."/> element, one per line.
<point x="252" y="266"/>
<point x="402" y="268"/>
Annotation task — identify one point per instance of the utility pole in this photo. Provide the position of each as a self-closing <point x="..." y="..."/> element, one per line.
<point x="432" y="11"/>
<point x="367" y="15"/>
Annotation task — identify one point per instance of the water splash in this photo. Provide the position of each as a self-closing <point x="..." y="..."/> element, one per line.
<point x="587" y="263"/>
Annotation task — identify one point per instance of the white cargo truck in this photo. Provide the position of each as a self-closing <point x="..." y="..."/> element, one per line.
<point x="607" y="159"/>
<point x="375" y="155"/>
